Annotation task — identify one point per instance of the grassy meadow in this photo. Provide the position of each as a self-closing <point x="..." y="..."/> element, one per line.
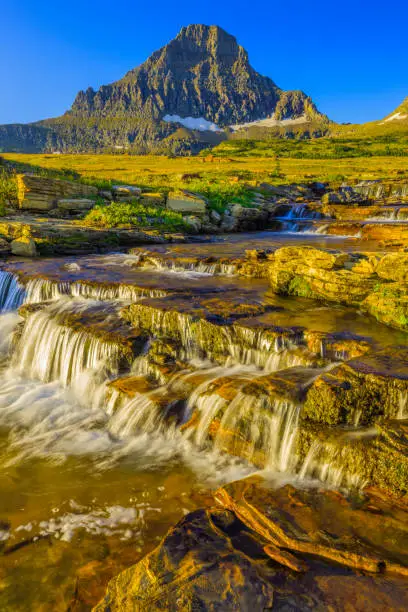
<point x="212" y="173"/>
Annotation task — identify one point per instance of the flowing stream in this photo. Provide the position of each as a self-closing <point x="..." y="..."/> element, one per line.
<point x="110" y="433"/>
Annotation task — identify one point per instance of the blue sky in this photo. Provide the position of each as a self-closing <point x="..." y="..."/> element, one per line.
<point x="351" y="57"/>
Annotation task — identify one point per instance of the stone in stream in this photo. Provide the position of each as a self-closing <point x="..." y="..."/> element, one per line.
<point x="358" y="279"/>
<point x="361" y="390"/>
<point x="356" y="458"/>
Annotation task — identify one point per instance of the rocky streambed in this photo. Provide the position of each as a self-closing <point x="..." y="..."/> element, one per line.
<point x="212" y="426"/>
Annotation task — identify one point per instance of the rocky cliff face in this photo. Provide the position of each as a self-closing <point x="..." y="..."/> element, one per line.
<point x="203" y="72"/>
<point x="203" y="76"/>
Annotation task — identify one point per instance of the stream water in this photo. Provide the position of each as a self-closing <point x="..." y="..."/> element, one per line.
<point x="90" y="478"/>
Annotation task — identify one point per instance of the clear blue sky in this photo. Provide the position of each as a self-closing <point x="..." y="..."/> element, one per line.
<point x="351" y="57"/>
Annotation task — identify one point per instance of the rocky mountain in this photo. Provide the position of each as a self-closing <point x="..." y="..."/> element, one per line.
<point x="201" y="81"/>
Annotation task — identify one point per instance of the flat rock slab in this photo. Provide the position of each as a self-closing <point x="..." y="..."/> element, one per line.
<point x="41" y="193"/>
<point x="186" y="203"/>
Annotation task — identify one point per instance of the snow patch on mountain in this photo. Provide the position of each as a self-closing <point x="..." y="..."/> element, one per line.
<point x="396" y="116"/>
<point x="270" y="122"/>
<point x="193" y="123"/>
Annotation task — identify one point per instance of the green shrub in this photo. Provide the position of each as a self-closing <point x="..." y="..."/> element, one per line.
<point x="220" y="194"/>
<point x="134" y="214"/>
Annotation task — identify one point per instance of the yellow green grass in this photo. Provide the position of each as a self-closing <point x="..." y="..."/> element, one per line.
<point x="163" y="173"/>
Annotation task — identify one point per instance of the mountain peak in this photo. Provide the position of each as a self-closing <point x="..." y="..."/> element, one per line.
<point x="203" y="74"/>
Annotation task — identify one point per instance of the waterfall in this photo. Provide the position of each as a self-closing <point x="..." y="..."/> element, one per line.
<point x="327" y="462"/>
<point x="197" y="267"/>
<point x="261" y="428"/>
<point x="12" y="294"/>
<point x="49" y="350"/>
<point x="376" y="191"/>
<point x="42" y="290"/>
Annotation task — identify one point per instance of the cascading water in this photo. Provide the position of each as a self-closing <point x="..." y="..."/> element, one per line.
<point x="326" y="462"/>
<point x="12" y="293"/>
<point x="379" y="190"/>
<point x="49" y="350"/>
<point x="41" y="289"/>
<point x="197" y="267"/>
<point x="298" y="218"/>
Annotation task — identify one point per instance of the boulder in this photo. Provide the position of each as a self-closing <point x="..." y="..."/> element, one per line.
<point x="331" y="198"/>
<point x="24" y="247"/>
<point x="42" y="193"/>
<point x="185" y="202"/>
<point x="229" y="224"/>
<point x="75" y="205"/>
<point x="193" y="224"/>
<point x="126" y="191"/>
<point x="197" y="566"/>
<point x="360" y="391"/>
<point x="215" y="216"/>
<point x="106" y="195"/>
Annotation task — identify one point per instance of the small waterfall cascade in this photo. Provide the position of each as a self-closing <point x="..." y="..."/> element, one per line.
<point x="198" y="267"/>
<point x="328" y="463"/>
<point x="374" y="190"/>
<point x="226" y="344"/>
<point x="12" y="293"/>
<point x="301" y="211"/>
<point x="263" y="429"/>
<point x="48" y="350"/>
<point x="43" y="290"/>
<point x="299" y="218"/>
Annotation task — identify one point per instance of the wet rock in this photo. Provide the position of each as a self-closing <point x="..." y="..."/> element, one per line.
<point x="361" y="390"/>
<point x="359" y="279"/>
<point x="377" y="456"/>
<point x="309" y="272"/>
<point x="207" y="561"/>
<point x="337" y="346"/>
<point x="368" y="536"/>
<point x="394" y="267"/>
